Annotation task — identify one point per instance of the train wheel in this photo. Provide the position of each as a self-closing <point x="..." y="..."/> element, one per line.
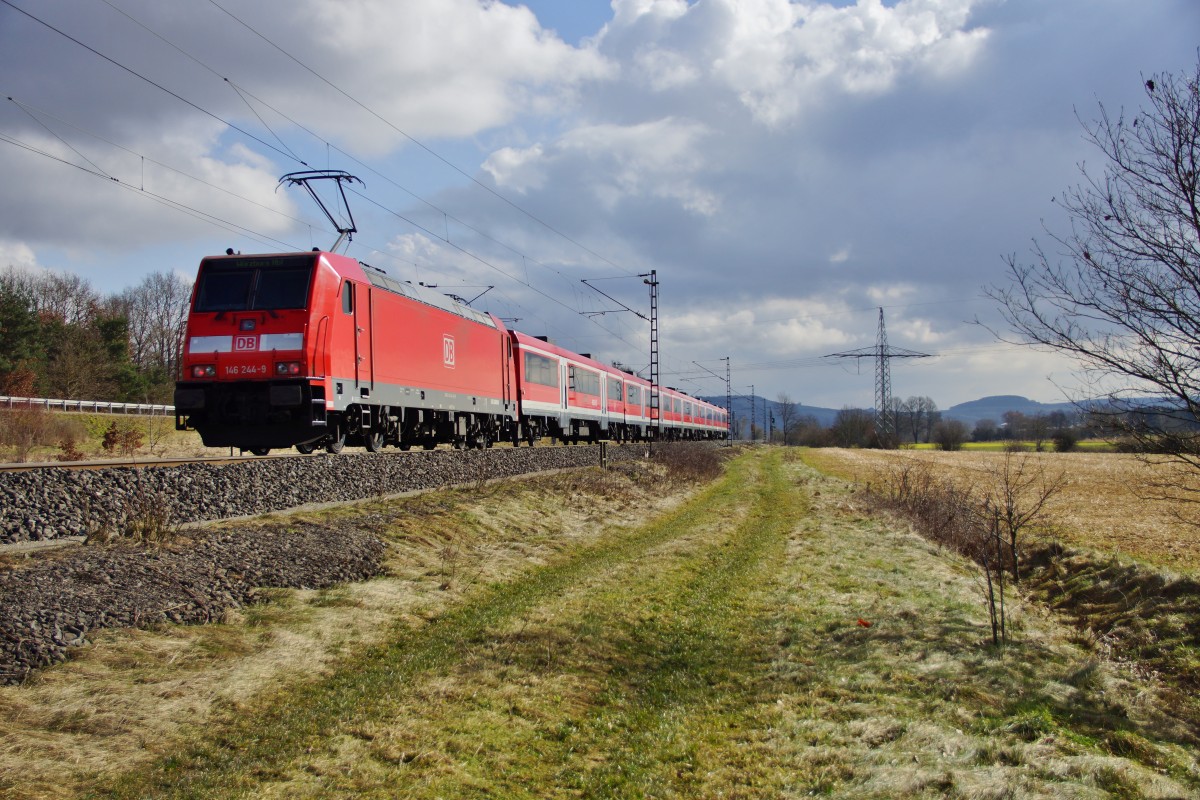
<point x="373" y="441"/>
<point x="305" y="448"/>
<point x="336" y="443"/>
<point x="429" y="444"/>
<point x="406" y="445"/>
<point x="260" y="451"/>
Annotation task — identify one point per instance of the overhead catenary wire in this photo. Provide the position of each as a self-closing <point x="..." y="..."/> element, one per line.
<point x="31" y="110"/>
<point x="413" y="139"/>
<point x="287" y="151"/>
<point x="225" y="224"/>
<point x="153" y="83"/>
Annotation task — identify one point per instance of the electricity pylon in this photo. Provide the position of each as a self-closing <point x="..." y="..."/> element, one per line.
<point x="885" y="419"/>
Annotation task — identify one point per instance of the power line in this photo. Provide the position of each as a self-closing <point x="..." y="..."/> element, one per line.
<point x="243" y="93"/>
<point x="411" y="138"/>
<point x="288" y="153"/>
<point x="29" y="109"/>
<point x="228" y="225"/>
<point x="156" y="85"/>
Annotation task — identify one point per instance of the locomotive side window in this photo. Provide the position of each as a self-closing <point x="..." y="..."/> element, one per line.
<point x="347" y="297"/>
<point x="541" y="370"/>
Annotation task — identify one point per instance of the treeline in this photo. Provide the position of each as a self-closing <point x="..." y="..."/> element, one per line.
<point x="61" y="338"/>
<point x="918" y="420"/>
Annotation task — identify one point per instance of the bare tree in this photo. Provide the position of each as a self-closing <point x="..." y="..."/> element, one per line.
<point x="986" y="430"/>
<point x="853" y="427"/>
<point x="789" y="417"/>
<point x="922" y="414"/>
<point x="1121" y="290"/>
<point x="1038" y="428"/>
<point x="157" y="312"/>
<point x="1016" y="501"/>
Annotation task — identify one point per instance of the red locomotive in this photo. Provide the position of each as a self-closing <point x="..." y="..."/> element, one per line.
<point x="315" y="349"/>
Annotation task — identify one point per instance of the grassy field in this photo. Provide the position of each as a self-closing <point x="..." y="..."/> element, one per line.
<point x="1108" y="502"/>
<point x="609" y="635"/>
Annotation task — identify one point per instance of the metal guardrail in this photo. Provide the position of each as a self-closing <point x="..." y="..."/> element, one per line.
<point x="92" y="406"/>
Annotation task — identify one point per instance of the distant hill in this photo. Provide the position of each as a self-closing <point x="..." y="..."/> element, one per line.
<point x="970" y="412"/>
<point x="741" y="409"/>
<point x="994" y="407"/>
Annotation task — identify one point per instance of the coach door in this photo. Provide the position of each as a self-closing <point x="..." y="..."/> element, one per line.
<point x="506" y="379"/>
<point x="364" y="343"/>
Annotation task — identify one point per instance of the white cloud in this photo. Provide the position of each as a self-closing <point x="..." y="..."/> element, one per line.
<point x="782" y="58"/>
<point x="651" y="159"/>
<point x="777" y="326"/>
<point x="891" y="294"/>
<point x="17" y="255"/>
<point x="517" y="169"/>
<point x="661" y="70"/>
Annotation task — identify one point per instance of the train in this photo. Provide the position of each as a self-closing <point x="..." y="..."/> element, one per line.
<point x="319" y="350"/>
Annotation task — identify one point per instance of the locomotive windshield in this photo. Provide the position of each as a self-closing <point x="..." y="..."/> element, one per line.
<point x="254" y="284"/>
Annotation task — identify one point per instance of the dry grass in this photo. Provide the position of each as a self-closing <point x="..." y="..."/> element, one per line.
<point x="159" y="687"/>
<point x="1108" y="503"/>
<point x="768" y="637"/>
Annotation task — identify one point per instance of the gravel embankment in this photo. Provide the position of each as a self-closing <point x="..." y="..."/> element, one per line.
<point x="50" y="503"/>
<point x="51" y="603"/>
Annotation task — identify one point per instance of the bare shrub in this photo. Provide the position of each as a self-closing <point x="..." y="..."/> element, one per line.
<point x="950" y="434"/>
<point x="23" y="429"/>
<point x="122" y="437"/>
<point x="986" y="525"/>
<point x="69" y="450"/>
<point x="144" y="518"/>
<point x="691" y="463"/>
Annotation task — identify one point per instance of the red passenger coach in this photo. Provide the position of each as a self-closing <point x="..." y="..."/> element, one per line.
<point x="315" y="349"/>
<point x="562" y="393"/>
<point x="573" y="397"/>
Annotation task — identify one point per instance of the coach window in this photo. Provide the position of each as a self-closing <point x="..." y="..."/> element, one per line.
<point x="585" y="382"/>
<point x="347" y="297"/>
<point x="614" y="389"/>
<point x="541" y="370"/>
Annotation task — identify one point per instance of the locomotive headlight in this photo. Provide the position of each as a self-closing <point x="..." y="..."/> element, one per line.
<point x="204" y="371"/>
<point x="287" y="368"/>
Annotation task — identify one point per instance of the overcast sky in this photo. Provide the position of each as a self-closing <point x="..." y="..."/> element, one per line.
<point x="786" y="168"/>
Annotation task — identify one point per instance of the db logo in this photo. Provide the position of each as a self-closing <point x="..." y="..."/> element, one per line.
<point x="242" y="343"/>
<point x="448" y="351"/>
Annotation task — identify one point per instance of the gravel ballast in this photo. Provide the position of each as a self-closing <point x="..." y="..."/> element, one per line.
<point x="49" y="503"/>
<point x="51" y="602"/>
